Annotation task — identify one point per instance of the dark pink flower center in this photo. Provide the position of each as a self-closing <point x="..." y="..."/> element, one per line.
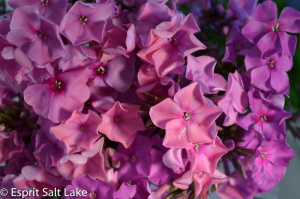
<point x="186" y="116"/>
<point x="42" y="35"/>
<point x="117" y="119"/>
<point x="92" y="195"/>
<point x="271" y="63"/>
<point x="58" y="85"/>
<point x="276" y="28"/>
<point x="173" y="40"/>
<point x="100" y="70"/>
<point x="263" y="117"/>
<point x="83" y="128"/>
<point x="83" y="20"/>
<point x="133" y="158"/>
<point x="44" y="2"/>
<point x="262" y="154"/>
<point x="197" y="147"/>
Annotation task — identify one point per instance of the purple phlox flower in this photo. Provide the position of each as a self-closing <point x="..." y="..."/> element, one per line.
<point x="271" y="160"/>
<point x="170" y="42"/>
<point x="268" y="74"/>
<point x="48" y="149"/>
<point x="151" y="86"/>
<point x="148" y="17"/>
<point x="91" y="162"/>
<point x="126" y="191"/>
<point x="95" y="189"/>
<point x="57" y="98"/>
<point x="236" y="45"/>
<point x="121" y="123"/>
<point x="201" y="70"/>
<point x="51" y="9"/>
<point x="189" y="118"/>
<point x="10" y="144"/>
<point x="118" y="73"/>
<point x="266" y="118"/>
<point x="235" y="100"/>
<point x="79" y="132"/>
<point x="135" y="160"/>
<point x="205" y="157"/>
<point x="143" y="189"/>
<point x="269" y="33"/>
<point x="242" y="10"/>
<point x="237" y="187"/>
<point x="119" y="39"/>
<point x="76" y="56"/>
<point x="86" y="22"/>
<point x="37" y="37"/>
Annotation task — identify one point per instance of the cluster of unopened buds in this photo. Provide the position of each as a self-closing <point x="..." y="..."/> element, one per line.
<point x="128" y="99"/>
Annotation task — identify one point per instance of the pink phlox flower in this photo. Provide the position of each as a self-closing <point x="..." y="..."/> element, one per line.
<point x="121" y="123"/>
<point x="37" y="37"/>
<point x="91" y="162"/>
<point x="189" y="118"/>
<point x="205" y="157"/>
<point x="175" y="159"/>
<point x="235" y="100"/>
<point x="79" y="132"/>
<point x="170" y="43"/>
<point x="57" y="98"/>
<point x="201" y="70"/>
<point x="86" y="22"/>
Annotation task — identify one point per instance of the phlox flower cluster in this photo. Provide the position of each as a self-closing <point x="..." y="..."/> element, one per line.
<point x="130" y="99"/>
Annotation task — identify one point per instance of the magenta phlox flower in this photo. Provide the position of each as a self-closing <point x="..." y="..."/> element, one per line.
<point x="271" y="161"/>
<point x="10" y="144"/>
<point x="205" y="157"/>
<point x="189" y="118"/>
<point x="170" y="43"/>
<point x="143" y="189"/>
<point x="91" y="162"/>
<point x="135" y="160"/>
<point x="37" y="37"/>
<point x="201" y="70"/>
<point x="266" y="118"/>
<point x="121" y="123"/>
<point x="86" y="22"/>
<point x="79" y="132"/>
<point x="94" y="188"/>
<point x="235" y="100"/>
<point x="268" y="74"/>
<point x="269" y="33"/>
<point x="237" y="44"/>
<point x="60" y="95"/>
